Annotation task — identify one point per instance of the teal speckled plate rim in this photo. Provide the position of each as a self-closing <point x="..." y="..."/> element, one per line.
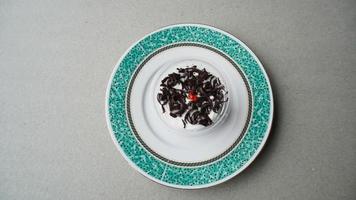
<point x="180" y="176"/>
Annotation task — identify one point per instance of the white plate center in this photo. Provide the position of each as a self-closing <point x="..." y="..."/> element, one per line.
<point x="165" y="135"/>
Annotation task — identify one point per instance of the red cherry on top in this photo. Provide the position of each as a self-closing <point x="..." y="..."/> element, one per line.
<point x="192" y="96"/>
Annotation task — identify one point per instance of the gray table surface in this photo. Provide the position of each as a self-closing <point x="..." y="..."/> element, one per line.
<point x="56" y="58"/>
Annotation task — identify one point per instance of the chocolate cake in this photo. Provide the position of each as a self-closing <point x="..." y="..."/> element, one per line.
<point x="192" y="94"/>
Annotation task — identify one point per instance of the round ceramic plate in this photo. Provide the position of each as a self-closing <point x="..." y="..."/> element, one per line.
<point x="190" y="156"/>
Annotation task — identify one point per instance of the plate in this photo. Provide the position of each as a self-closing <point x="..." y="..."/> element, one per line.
<point x="183" y="155"/>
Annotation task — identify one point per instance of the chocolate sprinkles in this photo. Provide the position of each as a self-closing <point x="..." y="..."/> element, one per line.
<point x="192" y="94"/>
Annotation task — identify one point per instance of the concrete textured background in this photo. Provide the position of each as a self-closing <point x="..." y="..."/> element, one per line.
<point x="56" y="58"/>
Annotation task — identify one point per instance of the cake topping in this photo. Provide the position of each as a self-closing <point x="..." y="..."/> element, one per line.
<point x="192" y="94"/>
